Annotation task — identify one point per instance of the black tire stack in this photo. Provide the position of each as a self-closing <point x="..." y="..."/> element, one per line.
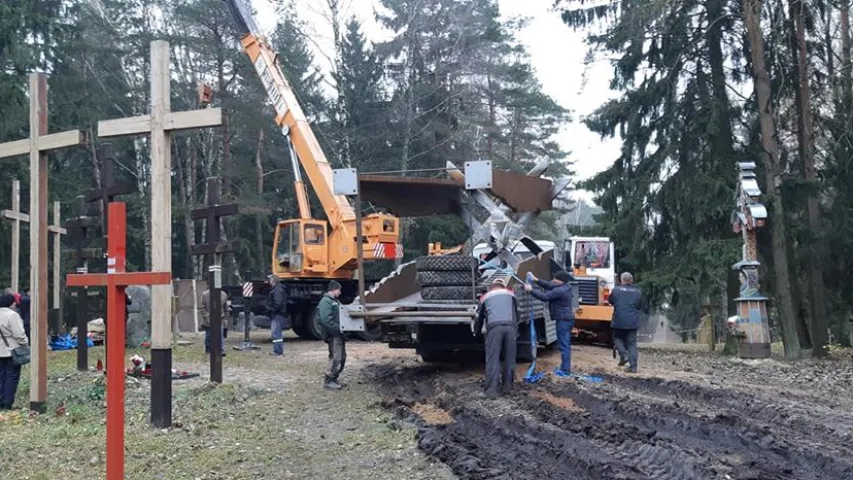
<point x="447" y="278"/>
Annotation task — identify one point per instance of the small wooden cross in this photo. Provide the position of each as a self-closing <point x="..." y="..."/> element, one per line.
<point x="160" y="124"/>
<point x="213" y="248"/>
<point x="17" y="217"/>
<point x="116" y="280"/>
<point x="37" y="146"/>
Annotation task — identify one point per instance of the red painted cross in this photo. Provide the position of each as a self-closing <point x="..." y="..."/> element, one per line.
<point x="116" y="280"/>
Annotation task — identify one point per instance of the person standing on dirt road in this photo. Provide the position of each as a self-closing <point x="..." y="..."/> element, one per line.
<point x="277" y="311"/>
<point x="559" y="296"/>
<point x="627" y="301"/>
<point x="498" y="310"/>
<point x="328" y="316"/>
<point x="205" y="317"/>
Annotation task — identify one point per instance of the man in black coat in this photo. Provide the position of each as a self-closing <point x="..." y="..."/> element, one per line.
<point x="627" y="301"/>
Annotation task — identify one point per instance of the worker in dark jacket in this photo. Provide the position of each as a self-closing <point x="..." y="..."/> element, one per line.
<point x="277" y="311"/>
<point x="328" y="316"/>
<point x="560" y="298"/>
<point x="498" y="310"/>
<point x="627" y="301"/>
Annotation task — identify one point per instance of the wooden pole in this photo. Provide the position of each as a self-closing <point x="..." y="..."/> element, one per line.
<point x="161" y="238"/>
<point x="38" y="242"/>
<point x="57" y="231"/>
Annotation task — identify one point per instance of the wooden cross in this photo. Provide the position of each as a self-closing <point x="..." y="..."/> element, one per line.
<point x="160" y="124"/>
<point x="116" y="280"/>
<point x="37" y="147"/>
<point x="79" y="228"/>
<point x="213" y="249"/>
<point x="57" y="231"/>
<point x="109" y="189"/>
<point x="16" y="216"/>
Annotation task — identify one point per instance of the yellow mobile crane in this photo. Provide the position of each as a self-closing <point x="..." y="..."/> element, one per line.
<point x="308" y="252"/>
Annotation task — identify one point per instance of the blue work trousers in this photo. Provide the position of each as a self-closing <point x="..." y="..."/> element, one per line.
<point x="277" y="326"/>
<point x="207" y="340"/>
<point x="564" y="342"/>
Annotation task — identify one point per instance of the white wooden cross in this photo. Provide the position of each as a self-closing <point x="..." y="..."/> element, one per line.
<point x="160" y="124"/>
<point x="57" y="231"/>
<point x="37" y="147"/>
<point x="17" y="217"/>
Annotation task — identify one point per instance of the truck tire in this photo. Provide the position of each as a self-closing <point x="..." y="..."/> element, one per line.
<point x="372" y="332"/>
<point x="310" y="328"/>
<point x="447" y="293"/>
<point x="445" y="279"/>
<point x="436" y="356"/>
<point x="446" y="263"/>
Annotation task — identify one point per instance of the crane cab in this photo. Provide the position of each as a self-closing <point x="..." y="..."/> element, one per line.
<point x="300" y="246"/>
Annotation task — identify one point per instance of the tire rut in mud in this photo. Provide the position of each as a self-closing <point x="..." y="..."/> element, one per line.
<point x="625" y="428"/>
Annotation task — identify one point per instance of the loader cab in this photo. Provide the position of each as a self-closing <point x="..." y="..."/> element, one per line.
<point x="592" y="255"/>
<point x="300" y="246"/>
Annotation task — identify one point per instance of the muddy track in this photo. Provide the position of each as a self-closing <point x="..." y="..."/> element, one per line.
<point x="624" y="428"/>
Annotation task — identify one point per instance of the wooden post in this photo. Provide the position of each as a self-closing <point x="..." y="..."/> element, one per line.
<point x="37" y="146"/>
<point x="17" y="217"/>
<point x="159" y="124"/>
<point x="116" y="280"/>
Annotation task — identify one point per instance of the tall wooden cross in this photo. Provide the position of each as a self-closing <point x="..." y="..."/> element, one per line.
<point x="213" y="249"/>
<point x="79" y="228"/>
<point x="17" y="217"/>
<point x="37" y="146"/>
<point x="116" y="280"/>
<point x="160" y="124"/>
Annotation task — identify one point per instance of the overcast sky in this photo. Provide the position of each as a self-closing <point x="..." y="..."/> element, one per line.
<point x="557" y="53"/>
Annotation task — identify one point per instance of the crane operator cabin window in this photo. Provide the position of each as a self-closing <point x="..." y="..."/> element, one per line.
<point x="315" y="235"/>
<point x="592" y="254"/>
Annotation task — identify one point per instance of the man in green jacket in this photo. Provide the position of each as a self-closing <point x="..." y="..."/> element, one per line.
<point x="328" y="316"/>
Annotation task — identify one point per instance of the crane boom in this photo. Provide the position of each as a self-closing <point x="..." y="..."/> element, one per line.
<point x="289" y="114"/>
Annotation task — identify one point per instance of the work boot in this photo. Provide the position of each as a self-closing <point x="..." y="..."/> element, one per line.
<point x="332" y="385"/>
<point x="623" y="361"/>
<point x="630" y="370"/>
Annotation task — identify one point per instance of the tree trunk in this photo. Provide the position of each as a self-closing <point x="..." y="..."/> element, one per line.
<point x="846" y="78"/>
<point x="761" y="80"/>
<point x="186" y="186"/>
<point x="259" y="225"/>
<point x="805" y="135"/>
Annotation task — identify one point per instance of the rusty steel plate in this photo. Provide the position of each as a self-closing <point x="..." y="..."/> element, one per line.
<point x="520" y="192"/>
<point x="412" y="196"/>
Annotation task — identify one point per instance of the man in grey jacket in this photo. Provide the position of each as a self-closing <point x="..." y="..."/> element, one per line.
<point x="498" y="310"/>
<point x="627" y="301"/>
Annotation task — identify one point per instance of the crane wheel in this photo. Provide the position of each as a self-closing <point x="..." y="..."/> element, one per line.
<point x="446" y="263"/>
<point x="445" y="279"/>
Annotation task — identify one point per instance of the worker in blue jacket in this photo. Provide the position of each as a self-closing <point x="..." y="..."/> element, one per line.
<point x="628" y="309"/>
<point x="559" y="295"/>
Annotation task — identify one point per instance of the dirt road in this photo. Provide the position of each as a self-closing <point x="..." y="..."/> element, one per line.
<point x="687" y="416"/>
